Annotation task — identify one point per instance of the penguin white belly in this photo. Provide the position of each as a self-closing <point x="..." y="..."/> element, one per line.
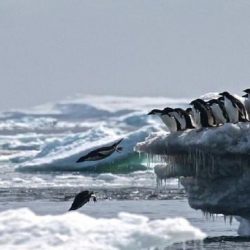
<point x="210" y="118"/>
<point x="247" y="105"/>
<point x="218" y="114"/>
<point x="196" y="117"/>
<point x="232" y="111"/>
<point x="169" y="122"/>
<point x="180" y="119"/>
<point x="192" y="119"/>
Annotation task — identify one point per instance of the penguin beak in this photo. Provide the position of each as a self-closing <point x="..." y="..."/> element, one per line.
<point x="151" y="113"/>
<point x="246" y="95"/>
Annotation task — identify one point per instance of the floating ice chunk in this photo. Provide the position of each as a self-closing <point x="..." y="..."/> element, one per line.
<point x="22" y="229"/>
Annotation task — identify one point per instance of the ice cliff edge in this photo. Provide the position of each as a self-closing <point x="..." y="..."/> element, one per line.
<point x="213" y="165"/>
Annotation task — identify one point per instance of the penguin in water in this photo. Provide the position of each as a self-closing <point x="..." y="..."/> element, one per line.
<point x="184" y="118"/>
<point x="101" y="153"/>
<point x="200" y="114"/>
<point x="247" y="100"/>
<point x="219" y="111"/>
<point x="81" y="199"/>
<point x="235" y="108"/>
<point x="166" y="118"/>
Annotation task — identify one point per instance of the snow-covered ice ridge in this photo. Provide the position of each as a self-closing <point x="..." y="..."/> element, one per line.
<point x="213" y="165"/>
<point x="22" y="229"/>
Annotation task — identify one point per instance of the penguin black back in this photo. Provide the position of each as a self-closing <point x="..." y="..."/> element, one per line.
<point x="81" y="199"/>
<point x="101" y="153"/>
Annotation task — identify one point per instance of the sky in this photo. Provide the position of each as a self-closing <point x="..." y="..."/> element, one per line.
<point x="54" y="49"/>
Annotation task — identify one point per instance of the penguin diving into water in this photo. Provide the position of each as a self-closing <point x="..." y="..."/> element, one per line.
<point x="81" y="199"/>
<point x="101" y="153"/>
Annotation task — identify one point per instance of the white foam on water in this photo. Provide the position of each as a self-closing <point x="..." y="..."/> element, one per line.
<point x="22" y="229"/>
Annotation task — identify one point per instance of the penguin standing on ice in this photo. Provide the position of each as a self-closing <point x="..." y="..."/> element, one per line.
<point x="81" y="199"/>
<point x="247" y="100"/>
<point x="190" y="114"/>
<point x="211" y="119"/>
<point x="201" y="114"/>
<point x="235" y="108"/>
<point x="101" y="153"/>
<point x="166" y="118"/>
<point x="219" y="111"/>
<point x="184" y="118"/>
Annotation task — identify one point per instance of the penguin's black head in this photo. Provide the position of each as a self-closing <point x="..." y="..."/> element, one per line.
<point x="155" y="112"/>
<point x="189" y="110"/>
<point x="221" y="99"/>
<point x="225" y="93"/>
<point x="193" y="102"/>
<point x="212" y="101"/>
<point x="179" y="110"/>
<point x="201" y="101"/>
<point x="167" y="110"/>
<point x="247" y="91"/>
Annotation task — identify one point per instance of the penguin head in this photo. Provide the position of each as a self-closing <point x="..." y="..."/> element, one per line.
<point x="167" y="110"/>
<point x="193" y="102"/>
<point x="212" y="101"/>
<point x="225" y="93"/>
<point x="155" y="112"/>
<point x="247" y="91"/>
<point x="201" y="101"/>
<point x="189" y="111"/>
<point x="221" y="99"/>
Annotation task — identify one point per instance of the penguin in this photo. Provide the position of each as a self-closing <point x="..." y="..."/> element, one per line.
<point x="201" y="114"/>
<point x="219" y="111"/>
<point x="177" y="116"/>
<point x="166" y="118"/>
<point x="81" y="199"/>
<point x="101" y="153"/>
<point x="190" y="113"/>
<point x="211" y="119"/>
<point x="186" y="122"/>
<point x="177" y="122"/>
<point x="247" y="101"/>
<point x="235" y="109"/>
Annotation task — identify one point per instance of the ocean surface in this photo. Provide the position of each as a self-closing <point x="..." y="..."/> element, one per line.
<point x="39" y="178"/>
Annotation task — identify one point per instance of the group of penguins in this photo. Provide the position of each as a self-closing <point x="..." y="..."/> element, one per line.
<point x="202" y="114"/>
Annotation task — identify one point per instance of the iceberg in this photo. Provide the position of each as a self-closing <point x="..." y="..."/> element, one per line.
<point x="213" y="165"/>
